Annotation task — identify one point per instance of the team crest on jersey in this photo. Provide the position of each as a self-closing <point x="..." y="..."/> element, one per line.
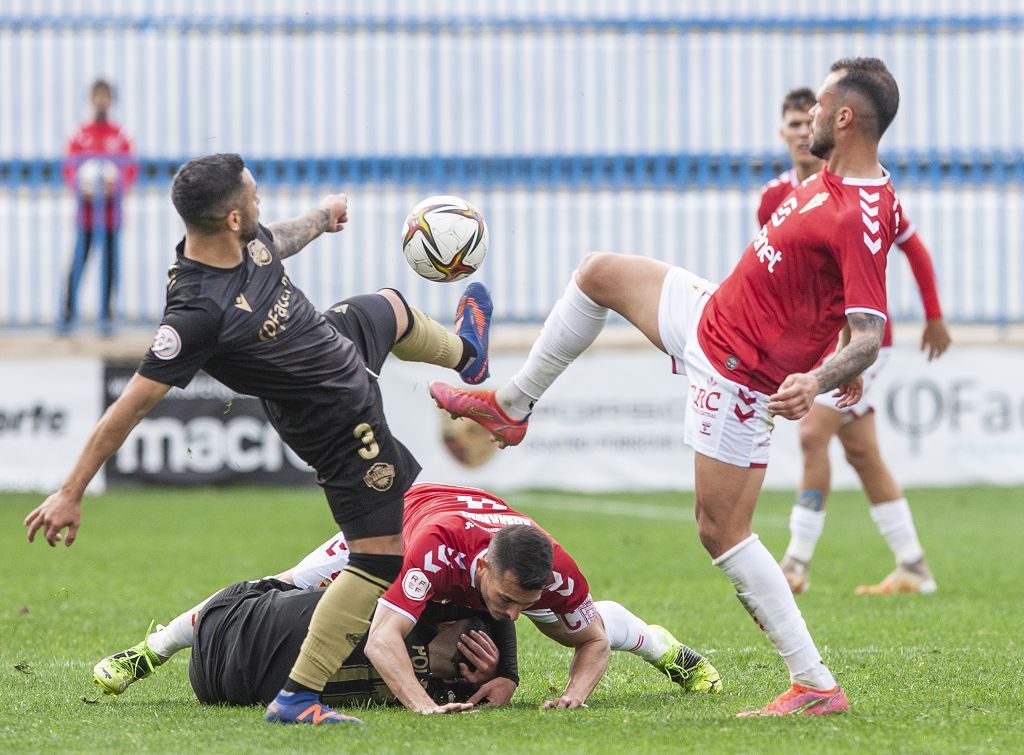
<point x="415" y="585"/>
<point x="259" y="253"/>
<point x="380" y="477"/>
<point x="166" y="343"/>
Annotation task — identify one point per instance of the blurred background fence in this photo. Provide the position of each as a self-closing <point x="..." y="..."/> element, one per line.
<point x="573" y="125"/>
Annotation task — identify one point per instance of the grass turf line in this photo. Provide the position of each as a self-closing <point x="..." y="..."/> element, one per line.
<point x="937" y="673"/>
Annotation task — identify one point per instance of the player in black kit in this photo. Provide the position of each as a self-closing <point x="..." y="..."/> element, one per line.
<point x="233" y="312"/>
<point x="247" y="636"/>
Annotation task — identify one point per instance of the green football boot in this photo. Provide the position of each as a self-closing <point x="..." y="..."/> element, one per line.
<point x="117" y="672"/>
<point x="686" y="667"/>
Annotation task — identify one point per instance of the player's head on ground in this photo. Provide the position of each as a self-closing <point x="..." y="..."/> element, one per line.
<point x="443" y="652"/>
<point x="215" y="195"/>
<point x="795" y="128"/>
<point x="515" y="570"/>
<point x="101" y="97"/>
<point x="856" y="104"/>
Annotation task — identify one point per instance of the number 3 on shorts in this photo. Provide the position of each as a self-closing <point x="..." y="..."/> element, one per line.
<point x="364" y="433"/>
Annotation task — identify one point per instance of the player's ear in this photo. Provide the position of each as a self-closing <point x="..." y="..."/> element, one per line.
<point x="844" y="117"/>
<point x="234" y="220"/>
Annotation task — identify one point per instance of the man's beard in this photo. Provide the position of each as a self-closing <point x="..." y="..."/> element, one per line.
<point x="823" y="142"/>
<point x="249" y="230"/>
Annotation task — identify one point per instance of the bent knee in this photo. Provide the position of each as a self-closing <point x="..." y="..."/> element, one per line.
<point x="860" y="456"/>
<point x="596" y="273"/>
<point x="814" y="439"/>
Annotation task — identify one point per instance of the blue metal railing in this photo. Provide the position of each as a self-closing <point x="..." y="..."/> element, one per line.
<point x="465" y="23"/>
<point x="624" y="171"/>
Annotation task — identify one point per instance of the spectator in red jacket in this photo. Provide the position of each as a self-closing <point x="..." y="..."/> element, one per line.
<point x="99" y="169"/>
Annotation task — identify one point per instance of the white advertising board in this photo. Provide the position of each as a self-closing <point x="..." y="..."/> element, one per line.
<point x="47" y="409"/>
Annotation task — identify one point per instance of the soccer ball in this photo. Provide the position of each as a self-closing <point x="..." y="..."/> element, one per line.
<point x="94" y="174"/>
<point x="444" y="238"/>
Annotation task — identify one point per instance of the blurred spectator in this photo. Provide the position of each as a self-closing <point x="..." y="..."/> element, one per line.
<point x="99" y="169"/>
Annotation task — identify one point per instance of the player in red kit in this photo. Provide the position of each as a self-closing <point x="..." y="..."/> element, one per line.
<point x="749" y="347"/>
<point x="853" y="425"/>
<point x="467" y="547"/>
<point x="99" y="168"/>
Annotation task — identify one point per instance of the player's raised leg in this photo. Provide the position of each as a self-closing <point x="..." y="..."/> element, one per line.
<point x="807" y="518"/>
<point x="725" y="499"/>
<point x="421" y="339"/>
<point x="889" y="510"/>
<point x="683" y="665"/>
<point x="572" y="326"/>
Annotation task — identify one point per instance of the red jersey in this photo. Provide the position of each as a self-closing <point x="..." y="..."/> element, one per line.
<point x="907" y="241"/>
<point x="820" y="257"/>
<point x="773" y="193"/>
<point x="106" y="141"/>
<point x="446" y="529"/>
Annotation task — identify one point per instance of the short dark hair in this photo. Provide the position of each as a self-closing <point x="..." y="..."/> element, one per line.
<point x="526" y="552"/>
<point x="204" y="188"/>
<point x="869" y="78"/>
<point x="101" y="85"/>
<point x="801" y="98"/>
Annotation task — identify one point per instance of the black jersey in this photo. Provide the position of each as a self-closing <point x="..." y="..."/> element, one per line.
<point x="252" y="329"/>
<point x="248" y="637"/>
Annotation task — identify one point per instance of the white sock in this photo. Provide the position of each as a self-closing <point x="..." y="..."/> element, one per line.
<point x="806" y="523"/>
<point x="897" y="527"/>
<point x="573" y="324"/>
<point x="764" y="592"/>
<point x="177" y="635"/>
<point x="630" y="633"/>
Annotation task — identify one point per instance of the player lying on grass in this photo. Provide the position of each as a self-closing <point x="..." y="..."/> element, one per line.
<point x="247" y="636"/>
<point x="451" y="505"/>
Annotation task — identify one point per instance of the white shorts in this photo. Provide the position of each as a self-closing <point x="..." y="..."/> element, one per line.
<point x="320" y="567"/>
<point x="724" y="419"/>
<point x="870" y="375"/>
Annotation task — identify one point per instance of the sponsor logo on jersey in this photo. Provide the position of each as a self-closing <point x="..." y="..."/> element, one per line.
<point x="381" y="476"/>
<point x="277" y="316"/>
<point x="766" y="252"/>
<point x="415" y="585"/>
<point x="501" y="520"/>
<point x="259" y="253"/>
<point x="166" y="343"/>
<point x="243" y="304"/>
<point x="816" y="201"/>
<point x="732" y="362"/>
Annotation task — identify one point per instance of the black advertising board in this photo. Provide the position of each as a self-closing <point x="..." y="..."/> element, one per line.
<point x="204" y="434"/>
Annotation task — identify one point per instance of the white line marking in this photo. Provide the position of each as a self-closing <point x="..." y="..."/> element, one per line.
<point x="613" y="507"/>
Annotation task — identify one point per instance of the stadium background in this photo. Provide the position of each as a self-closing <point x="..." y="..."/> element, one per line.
<point x="642" y="127"/>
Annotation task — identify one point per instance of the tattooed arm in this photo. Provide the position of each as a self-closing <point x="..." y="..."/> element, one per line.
<point x="290" y="236"/>
<point x="796" y="394"/>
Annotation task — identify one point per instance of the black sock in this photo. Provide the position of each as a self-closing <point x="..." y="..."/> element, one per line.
<point x="379" y="565"/>
<point x="291" y="685"/>
<point x="468" y="354"/>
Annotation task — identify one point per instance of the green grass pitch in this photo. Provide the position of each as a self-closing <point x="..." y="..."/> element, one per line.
<point x="940" y="673"/>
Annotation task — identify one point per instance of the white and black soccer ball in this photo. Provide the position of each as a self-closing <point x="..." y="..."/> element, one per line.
<point x="444" y="238"/>
<point x="94" y="174"/>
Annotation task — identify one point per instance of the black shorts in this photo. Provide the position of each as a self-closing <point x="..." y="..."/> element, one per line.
<point x="246" y="640"/>
<point x="369" y="471"/>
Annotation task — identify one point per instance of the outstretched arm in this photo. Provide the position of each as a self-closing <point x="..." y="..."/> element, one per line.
<point x="385" y="649"/>
<point x="589" y="661"/>
<point x="796" y="394"/>
<point x="290" y="236"/>
<point x="64" y="508"/>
